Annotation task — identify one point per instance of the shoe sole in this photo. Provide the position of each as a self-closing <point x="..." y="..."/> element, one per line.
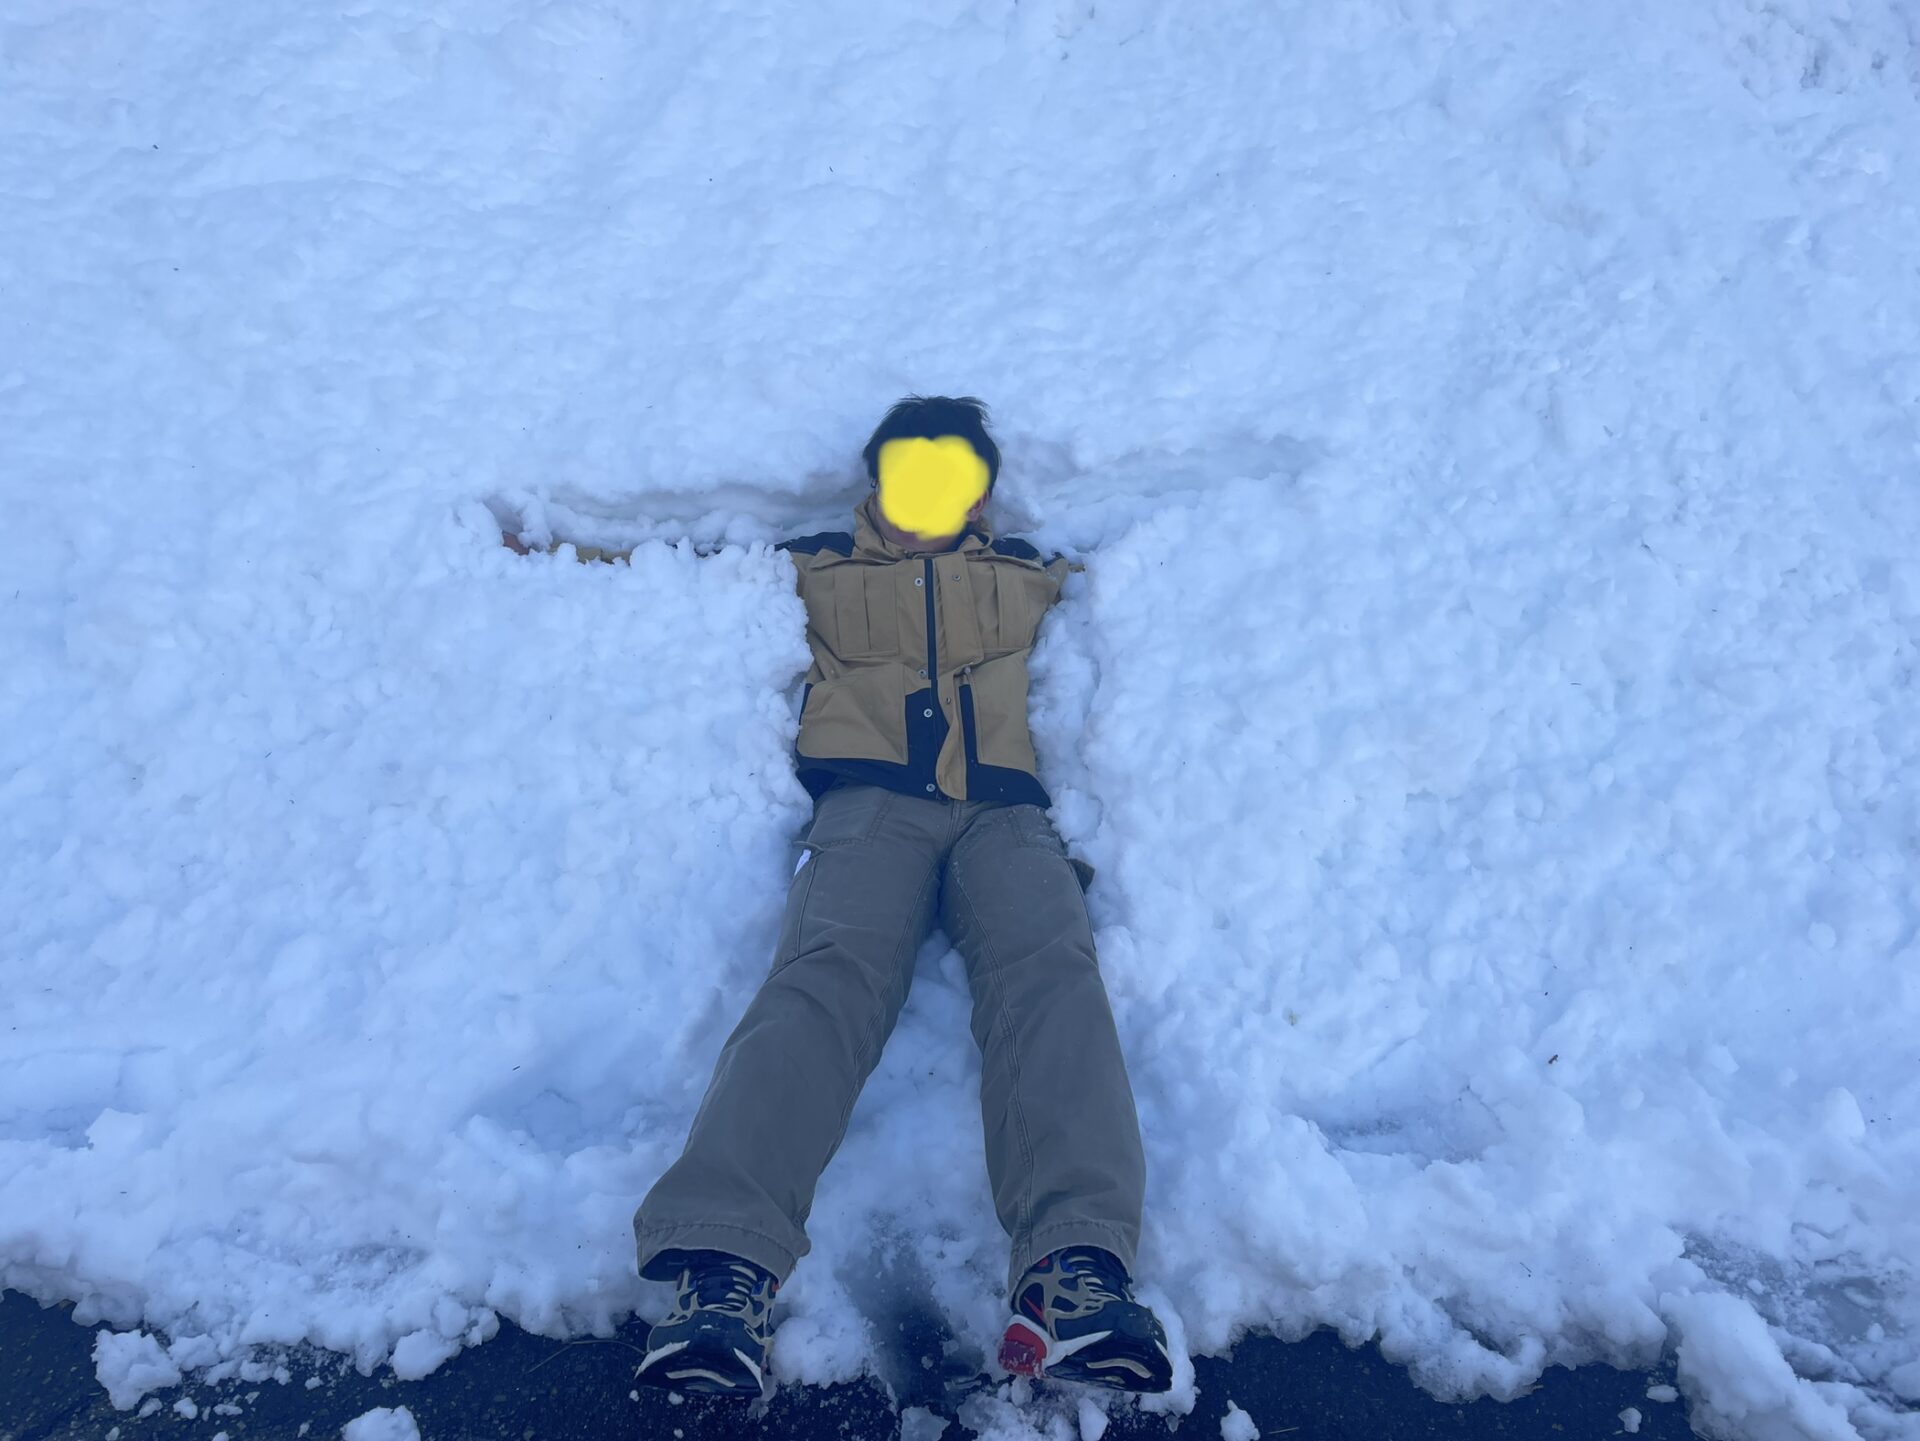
<point x="727" y="1371"/>
<point x="1128" y="1359"/>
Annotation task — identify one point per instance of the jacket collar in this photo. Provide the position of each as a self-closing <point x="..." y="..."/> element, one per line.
<point x="869" y="542"/>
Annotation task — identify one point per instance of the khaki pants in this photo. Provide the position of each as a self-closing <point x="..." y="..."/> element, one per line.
<point x="1062" y="1137"/>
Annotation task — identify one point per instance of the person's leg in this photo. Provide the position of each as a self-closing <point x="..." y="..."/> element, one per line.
<point x="1063" y="1139"/>
<point x="786" y="1081"/>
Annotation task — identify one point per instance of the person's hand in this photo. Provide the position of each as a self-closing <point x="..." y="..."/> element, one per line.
<point x="512" y="543"/>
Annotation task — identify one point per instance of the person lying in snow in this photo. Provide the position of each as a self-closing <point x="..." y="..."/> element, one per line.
<point x="924" y="810"/>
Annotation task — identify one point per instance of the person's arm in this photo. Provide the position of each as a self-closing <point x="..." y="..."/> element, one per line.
<point x="1058" y="569"/>
<point x="796" y="549"/>
<point x="580" y="552"/>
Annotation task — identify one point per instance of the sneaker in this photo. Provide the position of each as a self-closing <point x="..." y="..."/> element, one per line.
<point x="715" y="1338"/>
<point x="1075" y="1319"/>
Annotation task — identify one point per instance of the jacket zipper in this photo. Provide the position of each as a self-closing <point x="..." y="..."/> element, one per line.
<point x="972" y="747"/>
<point x="933" y="656"/>
<point x="933" y="659"/>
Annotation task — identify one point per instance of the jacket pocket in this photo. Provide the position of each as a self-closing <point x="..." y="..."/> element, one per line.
<point x="858" y="715"/>
<point x="865" y="614"/>
<point x="1018" y="604"/>
<point x="1000" y="735"/>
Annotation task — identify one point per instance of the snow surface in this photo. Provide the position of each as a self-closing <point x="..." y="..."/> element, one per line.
<point x="1490" y="425"/>
<point x="1237" y="1425"/>
<point x="130" y="1364"/>
<point x="383" y="1423"/>
<point x="918" y="1423"/>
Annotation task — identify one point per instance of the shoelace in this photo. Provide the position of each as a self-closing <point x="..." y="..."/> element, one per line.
<point x="1102" y="1280"/>
<point x="729" y="1288"/>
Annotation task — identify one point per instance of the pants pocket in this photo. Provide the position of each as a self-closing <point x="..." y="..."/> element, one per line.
<point x="793" y="919"/>
<point x="1033" y="829"/>
<point x="846" y="816"/>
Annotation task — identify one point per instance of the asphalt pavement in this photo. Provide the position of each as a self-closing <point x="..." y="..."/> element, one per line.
<point x="520" y="1387"/>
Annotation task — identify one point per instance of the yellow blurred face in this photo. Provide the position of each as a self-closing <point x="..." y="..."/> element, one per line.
<point x="928" y="486"/>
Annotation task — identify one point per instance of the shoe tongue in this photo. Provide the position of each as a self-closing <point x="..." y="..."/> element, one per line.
<point x="1102" y="1264"/>
<point x="1090" y="1256"/>
<point x="720" y="1280"/>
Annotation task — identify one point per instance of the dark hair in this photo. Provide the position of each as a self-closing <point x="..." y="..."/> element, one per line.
<point x="929" y="417"/>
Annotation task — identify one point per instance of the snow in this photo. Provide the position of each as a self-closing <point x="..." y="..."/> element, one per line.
<point x="917" y="1423"/>
<point x="1490" y="428"/>
<point x="1741" y="1383"/>
<point x="1905" y="1381"/>
<point x="420" y="1353"/>
<point x="1237" y="1425"/>
<point x="129" y="1364"/>
<point x="382" y="1424"/>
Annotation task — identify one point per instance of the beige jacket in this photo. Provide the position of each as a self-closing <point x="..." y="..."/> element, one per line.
<point x="919" y="675"/>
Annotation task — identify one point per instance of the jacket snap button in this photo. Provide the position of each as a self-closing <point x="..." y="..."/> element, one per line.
<point x="929" y="787"/>
<point x="919" y="580"/>
<point x="929" y="715"/>
<point x="923" y="675"/>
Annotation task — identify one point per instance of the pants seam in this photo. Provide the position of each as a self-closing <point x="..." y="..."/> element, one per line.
<point x="800" y="922"/>
<point x="705" y="1225"/>
<point x="881" y="806"/>
<point x="1109" y="1228"/>
<point x="671" y="1236"/>
<point x="866" y="1057"/>
<point x="1003" y="1021"/>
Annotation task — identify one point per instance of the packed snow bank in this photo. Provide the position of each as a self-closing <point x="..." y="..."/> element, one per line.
<point x="1489" y="703"/>
<point x="1476" y="933"/>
